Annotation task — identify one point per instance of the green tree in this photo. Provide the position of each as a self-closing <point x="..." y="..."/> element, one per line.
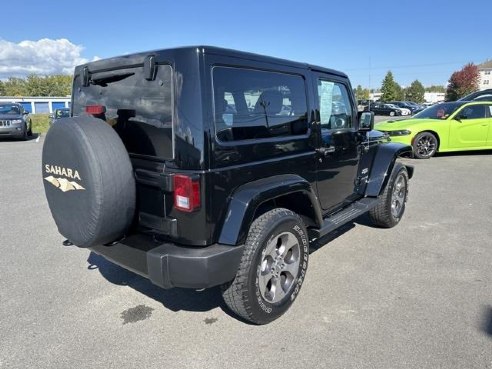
<point x="61" y="85"/>
<point x="463" y="82"/>
<point x="415" y="92"/>
<point x="361" y="93"/>
<point x="15" y="87"/>
<point x="37" y="85"/>
<point x="389" y="88"/>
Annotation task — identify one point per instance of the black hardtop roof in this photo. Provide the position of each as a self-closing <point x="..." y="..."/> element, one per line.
<point x="213" y="50"/>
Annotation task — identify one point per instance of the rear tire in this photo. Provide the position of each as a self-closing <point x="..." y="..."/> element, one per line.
<point x="272" y="268"/>
<point x="391" y="204"/>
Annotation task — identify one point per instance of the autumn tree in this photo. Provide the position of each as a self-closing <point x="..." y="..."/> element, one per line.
<point x="389" y="88"/>
<point x="463" y="82"/>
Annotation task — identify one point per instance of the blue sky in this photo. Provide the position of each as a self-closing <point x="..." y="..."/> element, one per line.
<point x="424" y="40"/>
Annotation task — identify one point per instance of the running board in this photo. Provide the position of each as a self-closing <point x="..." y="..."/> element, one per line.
<point x="344" y="216"/>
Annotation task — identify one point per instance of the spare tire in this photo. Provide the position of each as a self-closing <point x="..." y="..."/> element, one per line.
<point x="88" y="180"/>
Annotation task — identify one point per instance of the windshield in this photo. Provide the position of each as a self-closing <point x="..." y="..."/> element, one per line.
<point x="439" y="111"/>
<point x="9" y="109"/>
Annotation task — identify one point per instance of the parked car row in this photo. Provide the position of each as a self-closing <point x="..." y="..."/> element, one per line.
<point x="391" y="108"/>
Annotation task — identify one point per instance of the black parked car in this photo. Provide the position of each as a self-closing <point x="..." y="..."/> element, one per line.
<point x="15" y="121"/>
<point x="383" y="109"/>
<point x="405" y="104"/>
<point x="59" y="114"/>
<point x="484" y="95"/>
<point x="200" y="166"/>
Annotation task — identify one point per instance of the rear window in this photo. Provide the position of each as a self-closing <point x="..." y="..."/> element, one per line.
<point x="139" y="110"/>
<point x="252" y="104"/>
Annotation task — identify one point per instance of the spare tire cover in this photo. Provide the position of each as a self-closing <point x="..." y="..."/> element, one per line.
<point x="88" y="180"/>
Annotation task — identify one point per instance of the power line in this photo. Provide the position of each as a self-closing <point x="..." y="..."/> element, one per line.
<point x="405" y="66"/>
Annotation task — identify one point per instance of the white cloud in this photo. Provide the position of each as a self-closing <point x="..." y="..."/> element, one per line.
<point x="45" y="57"/>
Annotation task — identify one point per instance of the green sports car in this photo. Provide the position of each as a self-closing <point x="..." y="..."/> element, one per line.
<point x="450" y="126"/>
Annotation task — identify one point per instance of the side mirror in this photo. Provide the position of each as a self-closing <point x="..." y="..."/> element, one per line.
<point x="25" y="112"/>
<point x="366" y="121"/>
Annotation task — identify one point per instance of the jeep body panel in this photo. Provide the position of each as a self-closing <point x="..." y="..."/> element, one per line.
<point x="248" y="198"/>
<point x="384" y="159"/>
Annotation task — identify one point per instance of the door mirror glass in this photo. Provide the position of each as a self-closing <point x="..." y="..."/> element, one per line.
<point x="366" y="121"/>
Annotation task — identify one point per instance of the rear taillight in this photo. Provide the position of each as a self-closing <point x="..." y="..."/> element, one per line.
<point x="95" y="109"/>
<point x="186" y="193"/>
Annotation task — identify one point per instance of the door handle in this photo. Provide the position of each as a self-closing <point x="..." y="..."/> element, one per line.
<point x="325" y="151"/>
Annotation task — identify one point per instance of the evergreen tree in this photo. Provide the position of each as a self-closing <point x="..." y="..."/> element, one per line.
<point x="415" y="92"/>
<point x="389" y="88"/>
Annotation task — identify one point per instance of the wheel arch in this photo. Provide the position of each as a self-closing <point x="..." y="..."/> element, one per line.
<point x="429" y="131"/>
<point x="253" y="199"/>
<point x="383" y="163"/>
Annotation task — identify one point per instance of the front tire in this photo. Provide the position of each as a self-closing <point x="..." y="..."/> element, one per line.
<point x="392" y="202"/>
<point x="25" y="133"/>
<point x="425" y="145"/>
<point x="272" y="268"/>
<point x="392" y="113"/>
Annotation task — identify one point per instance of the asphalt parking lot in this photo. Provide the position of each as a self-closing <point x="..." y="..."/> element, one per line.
<point x="415" y="296"/>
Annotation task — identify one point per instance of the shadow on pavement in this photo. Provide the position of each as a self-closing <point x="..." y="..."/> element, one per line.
<point x="34" y="136"/>
<point x="464" y="153"/>
<point x="175" y="299"/>
<point x="487" y="321"/>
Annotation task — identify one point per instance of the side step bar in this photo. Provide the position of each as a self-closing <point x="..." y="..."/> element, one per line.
<point x="344" y="216"/>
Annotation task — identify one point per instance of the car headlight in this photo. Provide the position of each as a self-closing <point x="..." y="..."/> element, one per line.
<point x="403" y="132"/>
<point x="16" y="121"/>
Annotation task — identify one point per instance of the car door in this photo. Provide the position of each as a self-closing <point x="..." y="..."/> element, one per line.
<point x="488" y="110"/>
<point x="470" y="126"/>
<point x="338" y="156"/>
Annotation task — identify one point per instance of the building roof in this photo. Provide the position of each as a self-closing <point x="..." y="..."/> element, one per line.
<point x="485" y="65"/>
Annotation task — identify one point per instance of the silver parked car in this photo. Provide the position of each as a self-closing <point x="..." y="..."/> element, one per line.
<point x="14" y="121"/>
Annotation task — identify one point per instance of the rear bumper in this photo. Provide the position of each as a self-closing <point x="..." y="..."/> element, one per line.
<point x="168" y="265"/>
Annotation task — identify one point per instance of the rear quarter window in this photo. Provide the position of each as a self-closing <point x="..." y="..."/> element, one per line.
<point x="252" y="104"/>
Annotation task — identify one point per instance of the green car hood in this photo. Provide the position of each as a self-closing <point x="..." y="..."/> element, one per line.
<point x="393" y="125"/>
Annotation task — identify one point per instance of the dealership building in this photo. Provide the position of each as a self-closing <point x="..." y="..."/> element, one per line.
<point x="39" y="105"/>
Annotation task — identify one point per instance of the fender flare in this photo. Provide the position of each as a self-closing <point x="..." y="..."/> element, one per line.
<point x="247" y="198"/>
<point x="383" y="163"/>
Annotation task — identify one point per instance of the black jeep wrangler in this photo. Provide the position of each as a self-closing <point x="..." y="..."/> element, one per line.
<point x="200" y="166"/>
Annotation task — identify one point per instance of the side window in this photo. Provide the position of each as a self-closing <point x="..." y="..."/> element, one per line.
<point x="473" y="112"/>
<point x="251" y="104"/>
<point x="334" y="102"/>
